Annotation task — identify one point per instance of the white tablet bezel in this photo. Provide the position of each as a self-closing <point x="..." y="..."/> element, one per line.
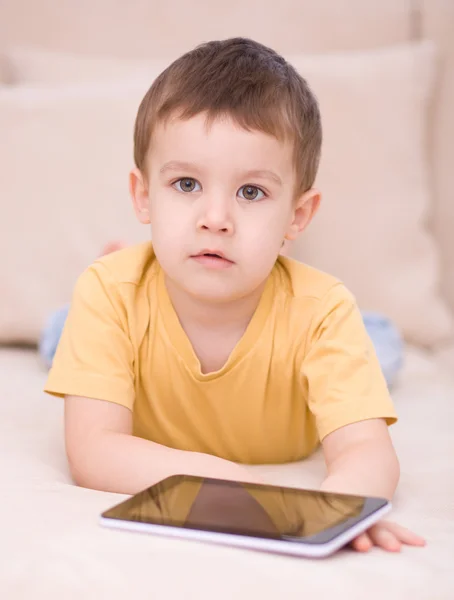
<point x="290" y="546"/>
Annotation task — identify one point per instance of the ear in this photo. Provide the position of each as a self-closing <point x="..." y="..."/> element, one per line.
<point x="305" y="208"/>
<point x="138" y="190"/>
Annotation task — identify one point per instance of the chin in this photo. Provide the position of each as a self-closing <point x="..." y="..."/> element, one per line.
<point x="214" y="292"/>
<point x="213" y="295"/>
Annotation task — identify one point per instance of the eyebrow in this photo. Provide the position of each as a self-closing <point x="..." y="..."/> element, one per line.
<point x="264" y="174"/>
<point x="176" y="165"/>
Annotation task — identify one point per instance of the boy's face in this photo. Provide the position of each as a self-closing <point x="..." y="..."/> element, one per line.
<point x="222" y="191"/>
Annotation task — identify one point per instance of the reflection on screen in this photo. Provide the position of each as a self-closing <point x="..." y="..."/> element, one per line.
<point x="232" y="507"/>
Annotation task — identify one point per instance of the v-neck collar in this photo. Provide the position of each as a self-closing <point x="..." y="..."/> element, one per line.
<point x="182" y="344"/>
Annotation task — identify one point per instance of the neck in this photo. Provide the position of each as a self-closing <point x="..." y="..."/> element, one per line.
<point x="213" y="315"/>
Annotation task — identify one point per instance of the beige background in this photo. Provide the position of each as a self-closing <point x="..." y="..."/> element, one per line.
<point x="147" y="28"/>
<point x="55" y="546"/>
<point x="438" y="24"/>
<point x="138" y="28"/>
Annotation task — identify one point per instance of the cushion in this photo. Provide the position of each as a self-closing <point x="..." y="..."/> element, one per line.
<point x="439" y="25"/>
<point x="64" y="160"/>
<point x="4" y="70"/>
<point x="37" y="66"/>
<point x="67" y="150"/>
<point x="371" y="230"/>
<point x="137" y="28"/>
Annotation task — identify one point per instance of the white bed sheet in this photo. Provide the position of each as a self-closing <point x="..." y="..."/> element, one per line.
<point x="51" y="544"/>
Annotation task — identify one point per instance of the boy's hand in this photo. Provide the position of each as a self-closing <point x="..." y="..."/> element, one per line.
<point x="388" y="536"/>
<point x="360" y="459"/>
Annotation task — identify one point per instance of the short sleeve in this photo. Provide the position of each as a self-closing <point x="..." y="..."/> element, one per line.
<point x="344" y="380"/>
<point x="95" y="355"/>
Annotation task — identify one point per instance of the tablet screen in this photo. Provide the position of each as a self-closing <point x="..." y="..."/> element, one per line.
<point x="245" y="509"/>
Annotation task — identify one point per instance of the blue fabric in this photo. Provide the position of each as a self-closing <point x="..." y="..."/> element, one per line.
<point x="387" y="342"/>
<point x="51" y="334"/>
<point x="384" y="335"/>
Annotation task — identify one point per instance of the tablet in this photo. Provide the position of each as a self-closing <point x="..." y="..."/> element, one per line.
<point x="259" y="517"/>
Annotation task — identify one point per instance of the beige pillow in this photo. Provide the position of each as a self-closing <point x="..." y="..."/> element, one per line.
<point x="36" y="66"/>
<point x="64" y="160"/>
<point x="371" y="230"/>
<point x="4" y="73"/>
<point x="439" y="23"/>
<point x="65" y="154"/>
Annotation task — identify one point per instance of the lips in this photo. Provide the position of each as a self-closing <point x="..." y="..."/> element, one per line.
<point x="212" y="259"/>
<point x="213" y="254"/>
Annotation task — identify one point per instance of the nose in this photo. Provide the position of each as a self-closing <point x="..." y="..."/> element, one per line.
<point x="216" y="216"/>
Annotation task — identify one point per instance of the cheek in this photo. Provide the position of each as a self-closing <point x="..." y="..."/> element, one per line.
<point x="268" y="228"/>
<point x="168" y="219"/>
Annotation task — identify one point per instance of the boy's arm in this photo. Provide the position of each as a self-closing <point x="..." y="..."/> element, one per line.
<point x="103" y="454"/>
<point x="360" y="459"/>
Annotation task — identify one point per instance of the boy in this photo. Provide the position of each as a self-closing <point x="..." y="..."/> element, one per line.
<point x="206" y="351"/>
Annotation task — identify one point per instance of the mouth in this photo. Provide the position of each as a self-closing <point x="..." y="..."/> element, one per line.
<point x="213" y="253"/>
<point x="214" y="258"/>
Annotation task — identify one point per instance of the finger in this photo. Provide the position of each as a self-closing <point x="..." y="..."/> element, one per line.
<point x="404" y="535"/>
<point x="362" y="543"/>
<point x="386" y="539"/>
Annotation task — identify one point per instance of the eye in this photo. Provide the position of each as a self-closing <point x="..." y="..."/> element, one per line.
<point x="187" y="184"/>
<point x="251" y="193"/>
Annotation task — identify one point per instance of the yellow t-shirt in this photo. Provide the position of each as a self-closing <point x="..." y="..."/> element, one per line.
<point x="304" y="367"/>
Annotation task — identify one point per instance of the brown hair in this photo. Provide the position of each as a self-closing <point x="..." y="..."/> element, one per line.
<point x="246" y="81"/>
